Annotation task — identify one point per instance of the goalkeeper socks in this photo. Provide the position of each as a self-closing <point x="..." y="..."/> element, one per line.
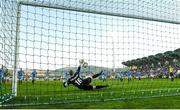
<point x="99" y="87"/>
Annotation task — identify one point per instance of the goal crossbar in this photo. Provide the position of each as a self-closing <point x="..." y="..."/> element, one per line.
<point x="37" y="4"/>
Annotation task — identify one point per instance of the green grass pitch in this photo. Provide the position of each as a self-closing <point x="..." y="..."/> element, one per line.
<point x="53" y="91"/>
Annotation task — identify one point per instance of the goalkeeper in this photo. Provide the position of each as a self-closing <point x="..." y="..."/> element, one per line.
<point x="83" y="84"/>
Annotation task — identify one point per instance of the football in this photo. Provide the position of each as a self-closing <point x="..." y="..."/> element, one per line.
<point x="81" y="61"/>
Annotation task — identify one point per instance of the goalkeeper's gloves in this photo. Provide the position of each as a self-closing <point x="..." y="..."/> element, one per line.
<point x="81" y="61"/>
<point x="85" y="64"/>
<point x="65" y="84"/>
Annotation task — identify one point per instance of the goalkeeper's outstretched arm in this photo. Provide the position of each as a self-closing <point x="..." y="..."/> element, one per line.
<point x="81" y="63"/>
<point x="78" y="70"/>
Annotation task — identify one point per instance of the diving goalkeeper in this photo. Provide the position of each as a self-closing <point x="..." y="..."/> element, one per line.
<point x="83" y="84"/>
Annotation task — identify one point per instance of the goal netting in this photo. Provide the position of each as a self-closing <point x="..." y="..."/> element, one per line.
<point x="122" y="38"/>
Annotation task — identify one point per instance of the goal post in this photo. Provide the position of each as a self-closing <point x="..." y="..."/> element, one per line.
<point x="16" y="51"/>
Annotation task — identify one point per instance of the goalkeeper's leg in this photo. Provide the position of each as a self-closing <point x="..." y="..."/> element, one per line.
<point x="96" y="75"/>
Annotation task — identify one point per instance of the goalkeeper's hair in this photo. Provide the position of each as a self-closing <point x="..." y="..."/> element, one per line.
<point x="71" y="72"/>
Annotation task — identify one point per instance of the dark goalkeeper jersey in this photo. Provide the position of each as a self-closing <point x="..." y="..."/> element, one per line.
<point x="76" y="80"/>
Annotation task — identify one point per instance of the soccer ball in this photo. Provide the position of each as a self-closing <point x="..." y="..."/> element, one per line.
<point x="85" y="64"/>
<point x="81" y="61"/>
